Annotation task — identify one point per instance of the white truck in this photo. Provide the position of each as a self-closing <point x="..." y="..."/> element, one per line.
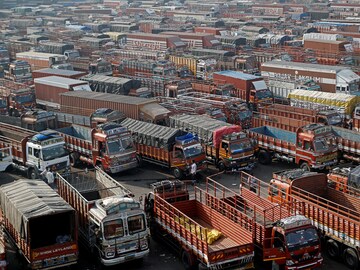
<point x="5" y="159"/>
<point x="112" y="225"/>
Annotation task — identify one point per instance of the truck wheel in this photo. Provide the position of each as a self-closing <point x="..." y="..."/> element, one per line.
<point x="16" y="113"/>
<point x="221" y="166"/>
<point x="11" y="112"/>
<point x="73" y="160"/>
<point x="264" y="158"/>
<point x="332" y="249"/>
<point x="304" y="166"/>
<point x="139" y="161"/>
<point x="32" y="174"/>
<point x="351" y="259"/>
<point x="178" y="173"/>
<point x="187" y="260"/>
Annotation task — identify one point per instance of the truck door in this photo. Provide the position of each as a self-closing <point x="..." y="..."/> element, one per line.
<point x="33" y="156"/>
<point x="178" y="157"/>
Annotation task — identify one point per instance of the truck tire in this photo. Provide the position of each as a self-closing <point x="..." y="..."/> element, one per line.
<point x="74" y="161"/>
<point x="139" y="161"/>
<point x="351" y="259"/>
<point x="221" y="166"/>
<point x="264" y="158"/>
<point x="178" y="173"/>
<point x="32" y="174"/>
<point x="187" y="260"/>
<point x="304" y="166"/>
<point x="332" y="249"/>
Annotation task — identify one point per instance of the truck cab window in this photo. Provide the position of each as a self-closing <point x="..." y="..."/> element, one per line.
<point x="37" y="153"/>
<point x="225" y="145"/>
<point x="278" y="240"/>
<point x="30" y="151"/>
<point x="274" y="190"/>
<point x="178" y="153"/>
<point x="307" y="145"/>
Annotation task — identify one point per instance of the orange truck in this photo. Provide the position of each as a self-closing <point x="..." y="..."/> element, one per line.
<point x="40" y="224"/>
<point x="165" y="146"/>
<point x="333" y="212"/>
<point x="307" y="147"/>
<point x="108" y="146"/>
<point x="345" y="179"/>
<point x="271" y="225"/>
<point x="3" y="261"/>
<point x="191" y="225"/>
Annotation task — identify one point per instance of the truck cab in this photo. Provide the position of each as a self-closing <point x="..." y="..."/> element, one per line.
<point x="315" y="147"/>
<point x="59" y="62"/>
<point x="103" y="115"/>
<point x="264" y="97"/>
<point x="329" y="117"/>
<point x="19" y="71"/>
<point x="38" y="120"/>
<point x="236" y="151"/>
<point x="21" y="100"/>
<point x="5" y="158"/>
<point x="101" y="67"/>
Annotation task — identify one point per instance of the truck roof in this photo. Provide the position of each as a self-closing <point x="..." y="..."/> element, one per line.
<point x="63" y="72"/>
<point x="59" y="81"/>
<point x="26" y="199"/>
<point x="37" y="55"/>
<point x="238" y="75"/>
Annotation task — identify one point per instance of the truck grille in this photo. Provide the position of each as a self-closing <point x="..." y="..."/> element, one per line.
<point x="61" y="166"/>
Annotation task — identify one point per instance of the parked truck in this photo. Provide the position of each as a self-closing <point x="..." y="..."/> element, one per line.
<point x="224" y="144"/>
<point x="346" y="179"/>
<point x="48" y="89"/>
<point x="191" y="224"/>
<point x="38" y="60"/>
<point x="34" y="152"/>
<point x="270" y="225"/>
<point x="348" y="142"/>
<point x="3" y="258"/>
<point x="307" y="147"/>
<point x="165" y="146"/>
<point x="333" y="212"/>
<point x="108" y="146"/>
<point x="112" y="224"/>
<point x="40" y="223"/>
<point x="19" y="71"/>
<point x="16" y="98"/>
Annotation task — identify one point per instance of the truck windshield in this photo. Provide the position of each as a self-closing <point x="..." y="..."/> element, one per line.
<point x="263" y="94"/>
<point x="114" y="228"/>
<point x="320" y="144"/>
<point x="245" y="115"/>
<point x="301" y="238"/>
<point x="3" y="103"/>
<point x="25" y="98"/>
<point x="22" y="71"/>
<point x="193" y="150"/>
<point x="104" y="68"/>
<point x="136" y="223"/>
<point x="335" y="119"/>
<point x="239" y="147"/>
<point x="53" y="152"/>
<point x="120" y="145"/>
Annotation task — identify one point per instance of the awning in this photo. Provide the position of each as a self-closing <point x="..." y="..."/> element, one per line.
<point x="259" y="85"/>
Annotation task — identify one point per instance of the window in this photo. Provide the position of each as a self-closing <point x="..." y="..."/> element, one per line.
<point x="273" y="192"/>
<point x="113" y="229"/>
<point x="178" y="153"/>
<point x="136" y="224"/>
<point x="30" y="151"/>
<point x="37" y="153"/>
<point x="307" y="145"/>
<point x="278" y="240"/>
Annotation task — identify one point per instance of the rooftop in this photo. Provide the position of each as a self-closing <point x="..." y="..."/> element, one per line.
<point x="237" y="75"/>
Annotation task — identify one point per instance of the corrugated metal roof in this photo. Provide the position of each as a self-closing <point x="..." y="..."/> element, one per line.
<point x="58" y="81"/>
<point x="237" y="75"/>
<point x="25" y="199"/>
<point x="109" y="97"/>
<point x="37" y="54"/>
<point x="106" y="79"/>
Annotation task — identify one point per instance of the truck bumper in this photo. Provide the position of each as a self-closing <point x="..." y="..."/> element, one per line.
<point x="129" y="257"/>
<point x="312" y="265"/>
<point x="325" y="165"/>
<point x="238" y="165"/>
<point x="123" y="167"/>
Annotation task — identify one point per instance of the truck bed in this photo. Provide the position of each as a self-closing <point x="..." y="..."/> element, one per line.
<point x="275" y="133"/>
<point x="76" y="131"/>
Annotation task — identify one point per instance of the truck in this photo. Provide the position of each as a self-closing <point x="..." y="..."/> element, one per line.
<point x="5" y="159"/>
<point x="224" y="144"/>
<point x="16" y="98"/>
<point x="326" y="117"/>
<point x="166" y="146"/>
<point x="85" y="103"/>
<point x="345" y="178"/>
<point x="270" y="224"/>
<point x="4" y="56"/>
<point x="335" y="213"/>
<point x="112" y="224"/>
<point x="108" y="146"/>
<point x="250" y="88"/>
<point x="19" y="71"/>
<point x="40" y="224"/>
<point x="235" y="109"/>
<point x="189" y="225"/>
<point x="38" y="60"/>
<point x="3" y="248"/>
<point x="307" y="147"/>
<point x="34" y="152"/>
<point x="48" y="89"/>
<point x="348" y="142"/>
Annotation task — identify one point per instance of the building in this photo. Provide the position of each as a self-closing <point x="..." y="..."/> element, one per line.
<point x="331" y="79"/>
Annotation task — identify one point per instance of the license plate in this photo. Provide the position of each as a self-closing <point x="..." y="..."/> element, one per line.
<point x="130" y="257"/>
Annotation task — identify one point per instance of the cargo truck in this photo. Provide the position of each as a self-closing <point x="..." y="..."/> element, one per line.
<point x="3" y="248"/>
<point x="270" y="225"/>
<point x="108" y="146"/>
<point x="165" y="146"/>
<point x="307" y="147"/>
<point x="6" y="159"/>
<point x="19" y="71"/>
<point x="333" y="212"/>
<point x="48" y="89"/>
<point x="346" y="179"/>
<point x="16" y="98"/>
<point x="41" y="225"/>
<point x="34" y="152"/>
<point x="224" y="144"/>
<point x="348" y="142"/>
<point x="112" y="224"/>
<point x="189" y="225"/>
<point x="38" y="60"/>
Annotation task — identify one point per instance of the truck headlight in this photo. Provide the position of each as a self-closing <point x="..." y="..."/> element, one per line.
<point x="110" y="252"/>
<point x="144" y="244"/>
<point x="289" y="262"/>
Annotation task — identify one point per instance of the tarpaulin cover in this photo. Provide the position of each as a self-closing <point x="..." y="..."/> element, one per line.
<point x="354" y="177"/>
<point x="26" y="199"/>
<point x="152" y="134"/>
<point x="219" y="133"/>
